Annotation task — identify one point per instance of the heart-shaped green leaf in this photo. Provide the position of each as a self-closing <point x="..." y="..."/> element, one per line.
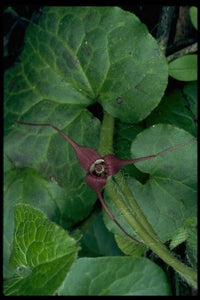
<point x="168" y="198"/>
<point x="115" y="276"/>
<point x="79" y="55"/>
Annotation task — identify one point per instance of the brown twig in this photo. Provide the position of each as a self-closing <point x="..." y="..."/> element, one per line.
<point x="187" y="50"/>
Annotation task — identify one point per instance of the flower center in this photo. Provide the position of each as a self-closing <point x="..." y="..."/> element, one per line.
<point x="98" y="168"/>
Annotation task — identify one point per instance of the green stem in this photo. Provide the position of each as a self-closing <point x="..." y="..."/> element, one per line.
<point x="105" y="147"/>
<point x="133" y="204"/>
<point x="106" y="135"/>
<point x="152" y="242"/>
<point x="132" y="212"/>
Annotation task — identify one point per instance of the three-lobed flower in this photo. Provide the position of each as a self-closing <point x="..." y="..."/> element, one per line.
<point x="100" y="168"/>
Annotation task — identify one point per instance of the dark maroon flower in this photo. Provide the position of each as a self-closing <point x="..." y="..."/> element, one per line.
<point x="99" y="168"/>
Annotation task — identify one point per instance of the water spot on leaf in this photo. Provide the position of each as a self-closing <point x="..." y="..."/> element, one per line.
<point x="119" y="100"/>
